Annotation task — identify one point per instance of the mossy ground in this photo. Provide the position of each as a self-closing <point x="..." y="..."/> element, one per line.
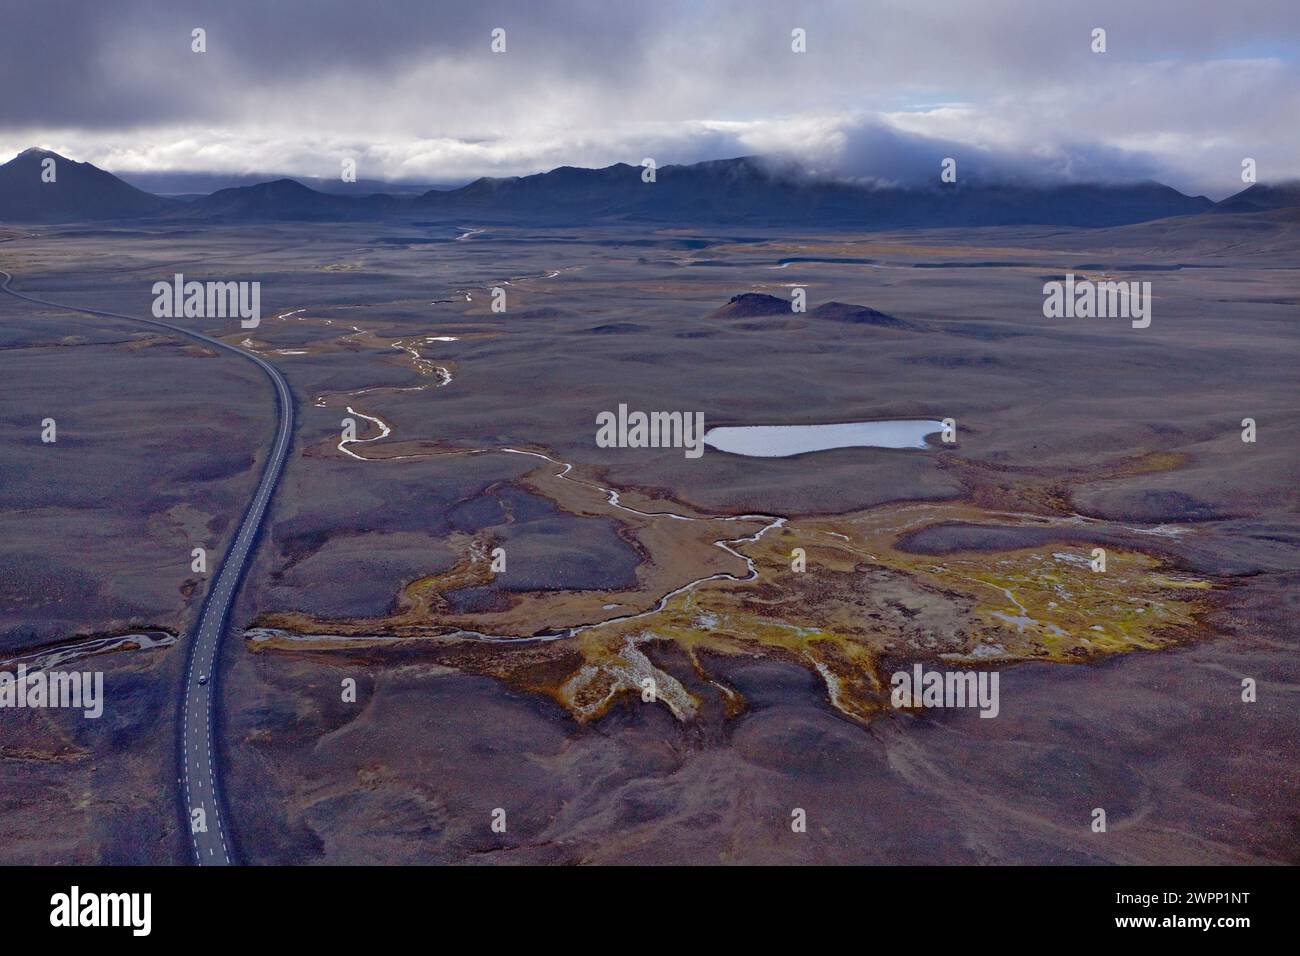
<point x="834" y="594"/>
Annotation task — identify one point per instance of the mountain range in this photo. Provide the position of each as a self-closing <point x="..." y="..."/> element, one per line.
<point x="185" y="185"/>
<point x="742" y="191"/>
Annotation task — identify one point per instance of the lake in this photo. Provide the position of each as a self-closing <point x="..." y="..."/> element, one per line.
<point x="780" y="441"/>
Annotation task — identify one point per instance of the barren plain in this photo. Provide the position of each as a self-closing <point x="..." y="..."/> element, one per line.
<point x="522" y="689"/>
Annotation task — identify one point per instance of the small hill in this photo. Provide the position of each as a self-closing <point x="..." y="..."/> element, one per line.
<point x="857" y="315"/>
<point x="747" y="305"/>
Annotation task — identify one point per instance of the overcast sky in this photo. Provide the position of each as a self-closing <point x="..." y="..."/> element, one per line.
<point x="412" y="90"/>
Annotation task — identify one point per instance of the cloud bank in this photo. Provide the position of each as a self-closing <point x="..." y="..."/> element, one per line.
<point x="412" y="90"/>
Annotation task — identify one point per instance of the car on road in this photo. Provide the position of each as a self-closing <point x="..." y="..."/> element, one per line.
<point x="203" y="679"/>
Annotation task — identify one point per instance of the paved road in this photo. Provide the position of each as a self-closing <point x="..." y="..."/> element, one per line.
<point x="198" y="766"/>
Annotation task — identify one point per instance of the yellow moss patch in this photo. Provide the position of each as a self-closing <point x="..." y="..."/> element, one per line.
<point x="860" y="604"/>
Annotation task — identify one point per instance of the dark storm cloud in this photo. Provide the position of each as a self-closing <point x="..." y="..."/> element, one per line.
<point x="130" y="62"/>
<point x="411" y="88"/>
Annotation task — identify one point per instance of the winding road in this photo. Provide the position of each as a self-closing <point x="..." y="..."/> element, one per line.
<point x="201" y="804"/>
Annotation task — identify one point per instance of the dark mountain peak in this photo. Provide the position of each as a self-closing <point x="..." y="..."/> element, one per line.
<point x="275" y="189"/>
<point x="573" y="182"/>
<point x="483" y="186"/>
<point x="33" y="156"/>
<point x="38" y="152"/>
<point x="287" y="199"/>
<point x="740" y="168"/>
<point x="1150" y="187"/>
<point x="582" y="172"/>
<point x="1263" y="197"/>
<point x="79" y="191"/>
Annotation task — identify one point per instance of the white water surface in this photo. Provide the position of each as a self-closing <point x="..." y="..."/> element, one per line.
<point x="781" y="441"/>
